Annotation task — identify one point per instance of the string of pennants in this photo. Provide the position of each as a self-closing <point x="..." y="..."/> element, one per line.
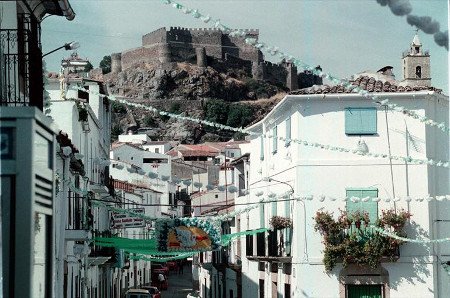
<point x="275" y="51"/>
<point x="306" y="143"/>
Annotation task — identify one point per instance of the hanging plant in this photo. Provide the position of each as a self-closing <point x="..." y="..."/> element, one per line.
<point x="360" y="246"/>
<point x="82" y="112"/>
<point x="279" y="222"/>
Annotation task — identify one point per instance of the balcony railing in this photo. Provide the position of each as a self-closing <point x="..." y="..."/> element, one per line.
<point x="278" y="246"/>
<point x="21" y="79"/>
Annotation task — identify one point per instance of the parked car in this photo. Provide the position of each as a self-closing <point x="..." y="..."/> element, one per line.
<point x="162" y="267"/>
<point x="154" y="292"/>
<point x="137" y="293"/>
<point x="195" y="294"/>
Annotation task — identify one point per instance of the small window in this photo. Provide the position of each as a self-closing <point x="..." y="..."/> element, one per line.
<point x="216" y="196"/>
<point x="261" y="150"/>
<point x="288" y="132"/>
<point x="417" y="50"/>
<point x="231" y="154"/>
<point x="118" y="158"/>
<point x="156" y="150"/>
<point x="132" y="158"/>
<point x="274" y="140"/>
<point x="360" y="121"/>
<point x="418" y="72"/>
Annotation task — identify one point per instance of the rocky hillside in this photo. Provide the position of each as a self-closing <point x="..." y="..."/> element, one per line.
<point x="227" y="96"/>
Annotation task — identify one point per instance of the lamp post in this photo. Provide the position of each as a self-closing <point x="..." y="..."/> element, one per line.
<point x="68" y="46"/>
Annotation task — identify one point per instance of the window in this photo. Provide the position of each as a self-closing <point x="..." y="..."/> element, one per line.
<point x="261" y="152"/>
<point x="231" y="154"/>
<point x="249" y="245"/>
<point x="369" y="291"/>
<point x="156" y="150"/>
<point x="417" y="50"/>
<point x="274" y="140"/>
<point x="274" y="208"/>
<point x="370" y="206"/>
<point x="418" y="72"/>
<point x="261" y="244"/>
<point x="360" y="121"/>
<point x="288" y="132"/>
<point x="261" y="288"/>
<point x="287" y="291"/>
<point x="216" y="196"/>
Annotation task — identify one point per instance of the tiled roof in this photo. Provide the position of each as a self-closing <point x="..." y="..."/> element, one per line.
<point x="366" y="81"/>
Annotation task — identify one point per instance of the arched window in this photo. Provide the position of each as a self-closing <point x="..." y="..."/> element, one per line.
<point x="418" y="72"/>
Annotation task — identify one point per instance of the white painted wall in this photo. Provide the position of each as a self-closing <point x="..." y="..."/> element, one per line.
<point x="312" y="171"/>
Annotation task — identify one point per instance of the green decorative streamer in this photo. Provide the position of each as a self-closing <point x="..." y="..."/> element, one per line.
<point x="423" y="241"/>
<point x="146" y="249"/>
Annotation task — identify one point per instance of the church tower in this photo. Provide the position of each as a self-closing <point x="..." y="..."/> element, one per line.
<point x="416" y="65"/>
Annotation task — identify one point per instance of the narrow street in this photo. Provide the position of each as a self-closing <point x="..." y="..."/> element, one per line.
<point x="179" y="284"/>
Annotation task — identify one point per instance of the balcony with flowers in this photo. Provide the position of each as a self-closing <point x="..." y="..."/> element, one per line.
<point x="352" y="238"/>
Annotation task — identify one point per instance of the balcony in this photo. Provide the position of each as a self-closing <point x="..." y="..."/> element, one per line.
<point x="21" y="69"/>
<point x="352" y="238"/>
<point x="278" y="246"/>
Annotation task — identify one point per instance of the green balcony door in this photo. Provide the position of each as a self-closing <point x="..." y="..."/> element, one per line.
<point x="363" y="291"/>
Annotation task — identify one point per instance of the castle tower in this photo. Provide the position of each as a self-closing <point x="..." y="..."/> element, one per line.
<point x="165" y="53"/>
<point x="291" y="77"/>
<point x="201" y="57"/>
<point x="116" y="62"/>
<point x="416" y="65"/>
<point x="258" y="70"/>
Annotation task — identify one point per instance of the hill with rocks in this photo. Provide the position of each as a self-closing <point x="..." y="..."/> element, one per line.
<point x="226" y="96"/>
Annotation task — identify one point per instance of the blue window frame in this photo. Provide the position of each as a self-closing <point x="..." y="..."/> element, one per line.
<point x="360" y="121"/>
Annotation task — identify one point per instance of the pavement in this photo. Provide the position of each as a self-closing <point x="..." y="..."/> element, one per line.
<point x="179" y="284"/>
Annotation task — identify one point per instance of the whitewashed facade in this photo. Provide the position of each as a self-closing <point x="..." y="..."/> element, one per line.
<point x="419" y="272"/>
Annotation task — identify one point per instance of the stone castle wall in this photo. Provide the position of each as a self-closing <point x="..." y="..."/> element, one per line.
<point x="185" y="44"/>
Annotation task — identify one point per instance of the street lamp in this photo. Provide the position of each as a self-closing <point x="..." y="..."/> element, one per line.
<point x="68" y="46"/>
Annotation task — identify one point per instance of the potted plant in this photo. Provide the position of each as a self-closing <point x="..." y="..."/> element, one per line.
<point x="359" y="217"/>
<point x="394" y="219"/>
<point x="279" y="222"/>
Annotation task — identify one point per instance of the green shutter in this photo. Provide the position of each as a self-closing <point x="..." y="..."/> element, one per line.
<point x="288" y="132"/>
<point x="274" y="140"/>
<point x="360" y="121"/>
<point x="364" y="291"/>
<point x="287" y="241"/>
<point x="274" y="208"/>
<point x="287" y="208"/>
<point x="261" y="153"/>
<point x="370" y="206"/>
<point x="261" y="215"/>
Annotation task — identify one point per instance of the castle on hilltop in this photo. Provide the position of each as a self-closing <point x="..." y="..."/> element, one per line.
<point x="206" y="46"/>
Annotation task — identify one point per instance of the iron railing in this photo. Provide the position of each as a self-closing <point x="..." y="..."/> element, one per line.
<point x="21" y="80"/>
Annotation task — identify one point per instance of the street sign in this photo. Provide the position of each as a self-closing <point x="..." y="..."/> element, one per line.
<point x="123" y="221"/>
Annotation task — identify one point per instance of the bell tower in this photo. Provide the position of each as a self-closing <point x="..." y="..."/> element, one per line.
<point x="416" y="65"/>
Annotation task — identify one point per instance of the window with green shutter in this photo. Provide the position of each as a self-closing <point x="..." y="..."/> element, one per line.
<point x="370" y="206"/>
<point x="364" y="291"/>
<point x="360" y="121"/>
<point x="261" y="216"/>
<point x="274" y="208"/>
<point x="287" y="141"/>
<point x="274" y="140"/>
<point x="261" y="151"/>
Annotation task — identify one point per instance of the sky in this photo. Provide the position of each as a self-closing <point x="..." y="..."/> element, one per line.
<point x="344" y="37"/>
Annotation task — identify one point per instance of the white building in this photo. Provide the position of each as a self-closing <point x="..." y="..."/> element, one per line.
<point x="348" y="120"/>
<point x="85" y="120"/>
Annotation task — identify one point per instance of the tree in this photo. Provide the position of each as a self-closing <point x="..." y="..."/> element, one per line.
<point x="88" y="67"/>
<point x="105" y="64"/>
<point x="216" y="110"/>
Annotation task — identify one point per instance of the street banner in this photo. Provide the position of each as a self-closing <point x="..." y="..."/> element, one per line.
<point x="123" y="221"/>
<point x="186" y="234"/>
